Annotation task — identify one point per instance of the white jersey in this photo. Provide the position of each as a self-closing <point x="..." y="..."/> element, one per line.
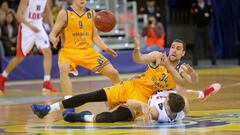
<point x="26" y="37"/>
<point x="34" y="11"/>
<point x="157" y="100"/>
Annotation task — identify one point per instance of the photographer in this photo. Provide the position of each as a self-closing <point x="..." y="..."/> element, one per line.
<point x="155" y="34"/>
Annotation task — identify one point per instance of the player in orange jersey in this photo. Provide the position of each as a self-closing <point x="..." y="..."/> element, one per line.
<point x="76" y="28"/>
<point x="157" y="77"/>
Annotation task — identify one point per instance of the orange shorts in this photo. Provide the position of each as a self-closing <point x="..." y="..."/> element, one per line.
<point x="87" y="58"/>
<point x="120" y="93"/>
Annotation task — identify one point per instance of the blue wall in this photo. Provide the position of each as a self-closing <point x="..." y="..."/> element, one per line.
<point x="32" y="68"/>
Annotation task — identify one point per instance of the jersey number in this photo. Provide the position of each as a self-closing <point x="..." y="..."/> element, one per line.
<point x="164" y="78"/>
<point x="80" y="24"/>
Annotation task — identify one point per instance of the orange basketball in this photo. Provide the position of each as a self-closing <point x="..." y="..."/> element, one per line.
<point x="105" y="20"/>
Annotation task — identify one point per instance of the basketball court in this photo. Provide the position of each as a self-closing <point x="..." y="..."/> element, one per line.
<point x="218" y="115"/>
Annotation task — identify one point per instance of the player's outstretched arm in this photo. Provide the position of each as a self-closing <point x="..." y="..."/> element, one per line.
<point x="188" y="73"/>
<point x="100" y="43"/>
<point x="60" y="23"/>
<point x="181" y="90"/>
<point x="150" y="58"/>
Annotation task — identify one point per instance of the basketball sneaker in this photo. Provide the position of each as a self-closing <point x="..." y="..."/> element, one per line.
<point x="2" y="84"/>
<point x="76" y="117"/>
<point x="47" y="87"/>
<point x="211" y="90"/>
<point x="40" y="110"/>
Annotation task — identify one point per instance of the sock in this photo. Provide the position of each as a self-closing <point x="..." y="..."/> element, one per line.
<point x="67" y="97"/>
<point x="200" y="94"/>
<point x="46" y="77"/>
<point x="5" y="74"/>
<point x="89" y="118"/>
<point x="55" y="107"/>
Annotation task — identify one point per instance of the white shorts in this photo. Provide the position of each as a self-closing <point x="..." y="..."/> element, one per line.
<point x="27" y="38"/>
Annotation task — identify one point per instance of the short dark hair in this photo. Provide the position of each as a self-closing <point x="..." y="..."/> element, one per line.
<point x="183" y="42"/>
<point x="175" y="102"/>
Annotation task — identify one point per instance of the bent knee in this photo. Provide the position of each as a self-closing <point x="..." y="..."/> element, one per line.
<point x="64" y="69"/>
<point x="47" y="51"/>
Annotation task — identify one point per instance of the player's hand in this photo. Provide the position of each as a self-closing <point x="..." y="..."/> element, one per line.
<point x="158" y="59"/>
<point x="34" y="28"/>
<point x="147" y="113"/>
<point x="136" y="42"/>
<point x="164" y="60"/>
<point x="111" y="52"/>
<point x="54" y="40"/>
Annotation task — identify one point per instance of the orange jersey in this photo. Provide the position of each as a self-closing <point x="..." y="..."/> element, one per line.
<point x="79" y="30"/>
<point x="155" y="79"/>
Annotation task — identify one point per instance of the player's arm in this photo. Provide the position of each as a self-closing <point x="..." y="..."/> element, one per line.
<point x="150" y="58"/>
<point x="48" y="14"/>
<point x="100" y="43"/>
<point x="22" y="6"/>
<point x="188" y="73"/>
<point x="57" y="27"/>
<point x="140" y="107"/>
<point x="183" y="92"/>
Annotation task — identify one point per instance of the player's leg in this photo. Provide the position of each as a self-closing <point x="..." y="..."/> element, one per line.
<point x="122" y="113"/>
<point x="65" y="82"/>
<point x="43" y="43"/>
<point x="11" y="65"/>
<point x="24" y="44"/>
<point x="111" y="73"/>
<point x="205" y="93"/>
<point x="75" y="101"/>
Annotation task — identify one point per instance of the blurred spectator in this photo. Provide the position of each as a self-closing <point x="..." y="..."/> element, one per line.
<point x="9" y="33"/>
<point x="201" y="13"/>
<point x="155" y="34"/>
<point x="3" y="10"/>
<point x="2" y="52"/>
<point x="151" y="9"/>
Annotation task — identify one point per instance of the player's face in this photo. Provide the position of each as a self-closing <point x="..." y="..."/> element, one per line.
<point x="176" y="51"/>
<point x="80" y="3"/>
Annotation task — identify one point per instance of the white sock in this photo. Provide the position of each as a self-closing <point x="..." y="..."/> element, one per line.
<point x="67" y="97"/>
<point x="89" y="118"/>
<point x="5" y="74"/>
<point x="47" y="78"/>
<point x="55" y="107"/>
<point x="200" y="94"/>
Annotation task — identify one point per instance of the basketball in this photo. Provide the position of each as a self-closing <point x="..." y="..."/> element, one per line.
<point x="105" y="20"/>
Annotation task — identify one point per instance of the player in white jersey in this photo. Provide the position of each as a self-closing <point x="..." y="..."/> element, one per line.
<point x="168" y="106"/>
<point x="161" y="110"/>
<point x="30" y="15"/>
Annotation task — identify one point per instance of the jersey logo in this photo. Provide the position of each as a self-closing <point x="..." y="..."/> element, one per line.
<point x="160" y="106"/>
<point x="89" y="16"/>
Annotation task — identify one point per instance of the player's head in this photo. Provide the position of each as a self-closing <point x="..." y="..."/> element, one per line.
<point x="175" y="103"/>
<point x="80" y="3"/>
<point x="177" y="50"/>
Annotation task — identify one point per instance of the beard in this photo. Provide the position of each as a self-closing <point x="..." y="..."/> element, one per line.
<point x="173" y="58"/>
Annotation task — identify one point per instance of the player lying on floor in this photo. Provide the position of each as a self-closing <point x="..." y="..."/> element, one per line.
<point x="164" y="106"/>
<point x="157" y="77"/>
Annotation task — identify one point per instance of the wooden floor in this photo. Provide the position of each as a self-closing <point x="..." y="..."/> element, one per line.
<point x="220" y="114"/>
